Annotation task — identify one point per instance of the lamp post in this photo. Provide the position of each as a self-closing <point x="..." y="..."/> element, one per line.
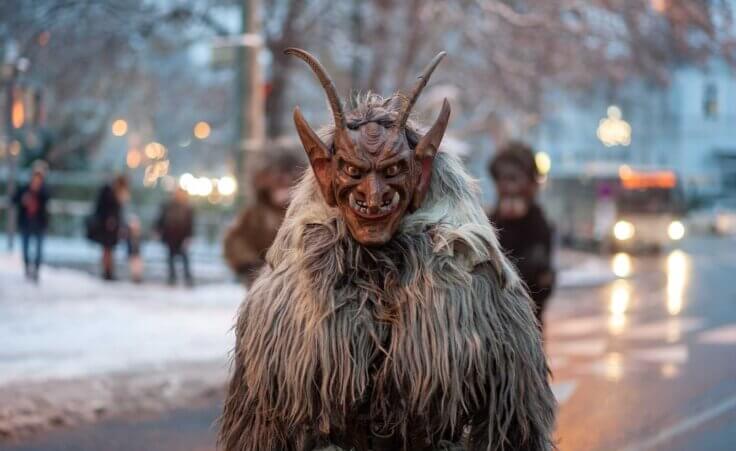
<point x="249" y="92"/>
<point x="613" y="130"/>
<point x="14" y="119"/>
<point x="251" y="105"/>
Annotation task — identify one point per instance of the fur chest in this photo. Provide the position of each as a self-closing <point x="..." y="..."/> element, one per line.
<point x="397" y="337"/>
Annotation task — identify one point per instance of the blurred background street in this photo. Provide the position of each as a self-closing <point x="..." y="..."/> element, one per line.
<point x="146" y="157"/>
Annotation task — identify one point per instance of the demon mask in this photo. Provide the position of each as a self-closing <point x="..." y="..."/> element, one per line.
<point x="376" y="168"/>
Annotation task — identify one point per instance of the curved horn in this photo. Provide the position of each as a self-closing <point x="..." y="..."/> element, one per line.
<point x="418" y="88"/>
<point x="325" y="81"/>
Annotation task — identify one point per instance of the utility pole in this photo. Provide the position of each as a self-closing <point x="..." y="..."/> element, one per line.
<point x="10" y="74"/>
<point x="251" y="106"/>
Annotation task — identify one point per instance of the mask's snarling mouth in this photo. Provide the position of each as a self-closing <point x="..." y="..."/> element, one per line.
<point x="365" y="211"/>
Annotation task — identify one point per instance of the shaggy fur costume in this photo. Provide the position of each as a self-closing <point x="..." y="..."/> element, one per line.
<point x="428" y="342"/>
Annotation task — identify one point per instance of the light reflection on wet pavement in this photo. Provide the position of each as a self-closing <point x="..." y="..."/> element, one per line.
<point x="649" y="360"/>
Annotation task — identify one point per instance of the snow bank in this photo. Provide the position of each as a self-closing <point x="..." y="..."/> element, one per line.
<point x="73" y="325"/>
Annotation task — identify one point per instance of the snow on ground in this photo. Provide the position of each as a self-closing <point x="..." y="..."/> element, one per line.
<point x="78" y="252"/>
<point x="74" y="346"/>
<point x="73" y="325"/>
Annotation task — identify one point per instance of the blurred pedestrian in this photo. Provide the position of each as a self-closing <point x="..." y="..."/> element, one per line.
<point x="31" y="203"/>
<point x="106" y="223"/>
<point x="175" y="226"/>
<point x="249" y="237"/>
<point x="523" y="231"/>
<point x="134" y="240"/>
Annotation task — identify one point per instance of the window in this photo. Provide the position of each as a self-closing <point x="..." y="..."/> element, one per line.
<point x="710" y="100"/>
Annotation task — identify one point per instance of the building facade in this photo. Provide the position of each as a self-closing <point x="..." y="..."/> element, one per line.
<point x="688" y="126"/>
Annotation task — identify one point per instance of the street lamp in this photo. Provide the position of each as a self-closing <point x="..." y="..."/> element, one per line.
<point x="18" y="111"/>
<point x="202" y="130"/>
<point x="14" y="119"/>
<point x="119" y="127"/>
<point x="543" y="162"/>
<point x="613" y="130"/>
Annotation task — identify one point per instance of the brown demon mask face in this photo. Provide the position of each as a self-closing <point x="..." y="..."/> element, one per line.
<point x="371" y="172"/>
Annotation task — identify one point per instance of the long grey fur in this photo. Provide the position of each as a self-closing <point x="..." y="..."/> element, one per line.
<point x="432" y="332"/>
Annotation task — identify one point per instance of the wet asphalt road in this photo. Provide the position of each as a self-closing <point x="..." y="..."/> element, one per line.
<point x="647" y="362"/>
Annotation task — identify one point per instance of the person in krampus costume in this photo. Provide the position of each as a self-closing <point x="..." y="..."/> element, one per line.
<point x="246" y="241"/>
<point x="387" y="317"/>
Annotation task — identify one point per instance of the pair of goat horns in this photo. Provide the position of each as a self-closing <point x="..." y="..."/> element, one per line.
<point x="334" y="100"/>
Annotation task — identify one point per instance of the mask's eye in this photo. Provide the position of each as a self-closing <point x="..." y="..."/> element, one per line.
<point x="352" y="171"/>
<point x="393" y="170"/>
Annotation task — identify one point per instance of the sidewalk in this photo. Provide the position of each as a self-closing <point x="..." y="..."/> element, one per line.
<point x="79" y="253"/>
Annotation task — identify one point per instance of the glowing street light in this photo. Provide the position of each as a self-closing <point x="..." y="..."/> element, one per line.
<point x="204" y="186"/>
<point x="18" y="113"/>
<point x="186" y="181"/>
<point x="155" y="151"/>
<point x="134" y="158"/>
<point x="202" y="130"/>
<point x="227" y="185"/>
<point x="119" y="127"/>
<point x="613" y="130"/>
<point x="543" y="162"/>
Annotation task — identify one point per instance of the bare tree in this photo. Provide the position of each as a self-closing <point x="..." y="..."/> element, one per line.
<point x="504" y="54"/>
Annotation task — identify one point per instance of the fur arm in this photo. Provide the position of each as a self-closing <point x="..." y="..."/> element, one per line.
<point x="520" y="408"/>
<point x="248" y="422"/>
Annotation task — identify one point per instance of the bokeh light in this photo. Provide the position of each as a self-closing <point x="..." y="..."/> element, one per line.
<point x="676" y="230"/>
<point x="613" y="130"/>
<point x="133" y="159"/>
<point x="185" y="181"/>
<point x="544" y="162"/>
<point x="119" y="127"/>
<point x="155" y="151"/>
<point x="202" y="130"/>
<point x="677" y="271"/>
<point x="618" y="306"/>
<point x="623" y="230"/>
<point x="621" y="264"/>
<point x="18" y="113"/>
<point x="227" y="185"/>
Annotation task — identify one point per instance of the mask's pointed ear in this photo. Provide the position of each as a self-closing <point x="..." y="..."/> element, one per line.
<point x="319" y="157"/>
<point x="425" y="152"/>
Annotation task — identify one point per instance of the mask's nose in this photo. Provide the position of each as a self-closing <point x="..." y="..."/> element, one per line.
<point x="375" y="192"/>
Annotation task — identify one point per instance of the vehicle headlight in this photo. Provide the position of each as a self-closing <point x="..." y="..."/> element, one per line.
<point x="623" y="230"/>
<point x="676" y="230"/>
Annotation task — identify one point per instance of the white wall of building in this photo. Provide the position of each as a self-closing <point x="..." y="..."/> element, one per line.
<point x="688" y="126"/>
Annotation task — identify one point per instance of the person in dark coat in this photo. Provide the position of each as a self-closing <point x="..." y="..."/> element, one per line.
<point x="523" y="231"/>
<point x="31" y="203"/>
<point x="106" y="224"/>
<point x="175" y="226"/>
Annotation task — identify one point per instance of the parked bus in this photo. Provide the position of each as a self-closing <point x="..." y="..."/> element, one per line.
<point x="616" y="208"/>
